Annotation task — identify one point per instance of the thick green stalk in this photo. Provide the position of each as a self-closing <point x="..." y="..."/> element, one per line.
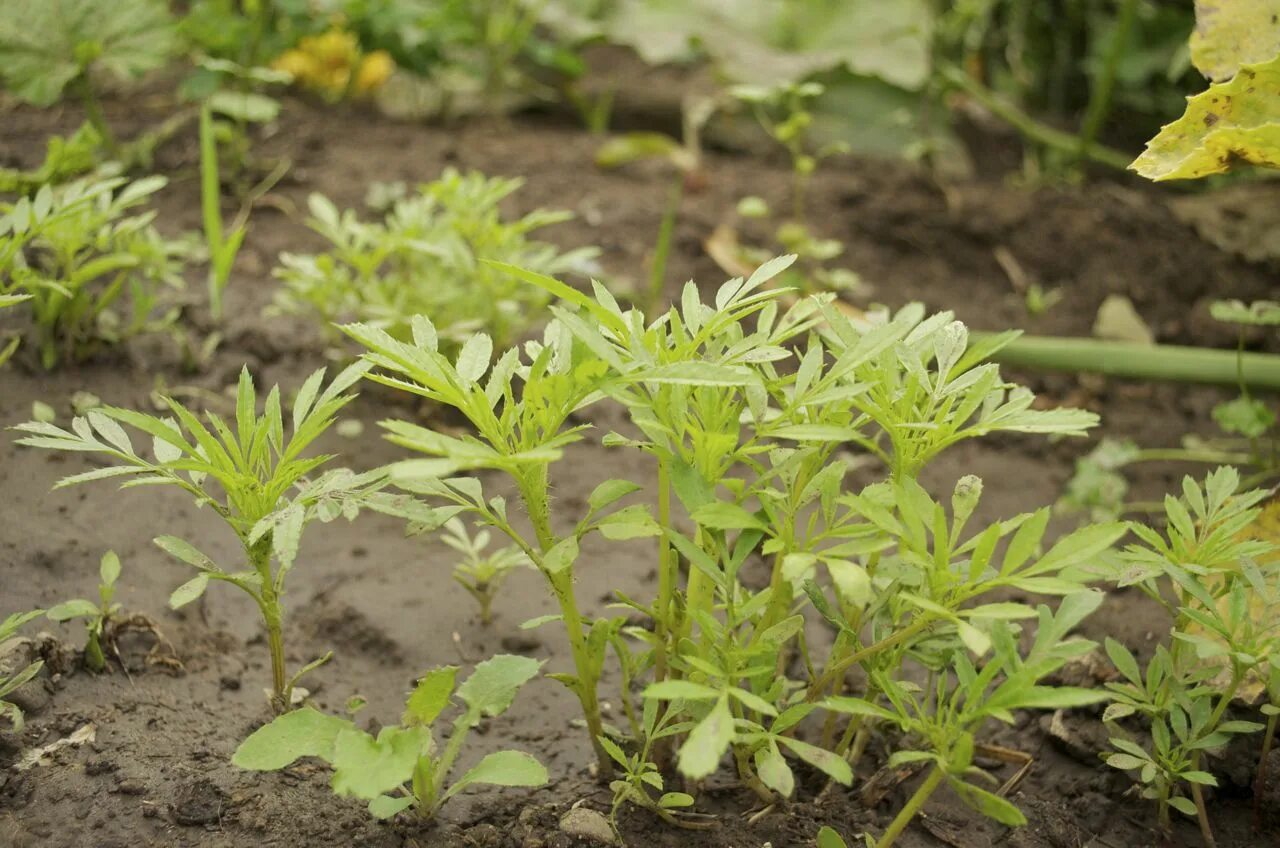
<point x="211" y="212"/>
<point x="1100" y="94"/>
<point x="534" y="492"/>
<point x="839" y="667"/>
<point x="1173" y="363"/>
<point x="662" y="250"/>
<point x="1260" y="781"/>
<point x="667" y="566"/>
<point x="912" y="808"/>
<point x="273" y="618"/>
<point x="1028" y="126"/>
<point x="93" y="111"/>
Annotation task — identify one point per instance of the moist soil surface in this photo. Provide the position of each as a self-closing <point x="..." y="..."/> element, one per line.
<point x="155" y="769"/>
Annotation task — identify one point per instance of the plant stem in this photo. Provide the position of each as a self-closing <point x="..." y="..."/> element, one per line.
<point x="93" y="111"/>
<point x="1100" y="94"/>
<point x="1174" y="363"/>
<point x="913" y="807"/>
<point x="1260" y="781"/>
<point x="211" y="211"/>
<point x="534" y="492"/>
<point x="833" y="671"/>
<point x="1028" y="126"/>
<point x="662" y="250"/>
<point x="666" y="576"/>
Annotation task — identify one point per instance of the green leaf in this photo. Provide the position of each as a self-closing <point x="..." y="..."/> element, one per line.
<point x="504" y="768"/>
<point x="430" y="697"/>
<point x="675" y="800"/>
<point x="990" y="805"/>
<point x="78" y="608"/>
<point x="109" y="568"/>
<point x="563" y="555"/>
<point x="385" y="806"/>
<point x="828" y="838"/>
<point x="1231" y="123"/>
<point x="1126" y="762"/>
<point x="366" y="767"/>
<point x="858" y="707"/>
<point x="610" y="491"/>
<point x="1183" y="805"/>
<point x="829" y="763"/>
<point x="186" y="552"/>
<point x="671" y="690"/>
<point x="1124" y="661"/>
<point x="189" y="591"/>
<point x="493" y="685"/>
<point x="722" y="515"/>
<point x="707" y="742"/>
<point x="305" y="732"/>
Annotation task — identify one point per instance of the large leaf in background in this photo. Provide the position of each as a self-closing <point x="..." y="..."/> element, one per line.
<point x="1232" y="33"/>
<point x="776" y="41"/>
<point x="45" y="44"/>
<point x="1232" y="123"/>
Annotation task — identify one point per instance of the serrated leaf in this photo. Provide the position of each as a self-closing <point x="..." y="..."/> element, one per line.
<point x="493" y="685"/>
<point x="366" y="768"/>
<point x="503" y="768"/>
<point x="430" y="697"/>
<point x="1231" y="33"/>
<point x="304" y="732"/>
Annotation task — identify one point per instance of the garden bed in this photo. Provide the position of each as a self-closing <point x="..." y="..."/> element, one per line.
<point x="157" y="770"/>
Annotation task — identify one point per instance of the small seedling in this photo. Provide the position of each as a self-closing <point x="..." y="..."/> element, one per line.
<point x="424" y="258"/>
<point x="250" y="474"/>
<point x="80" y="258"/>
<point x="1225" y="631"/>
<point x="13" y="682"/>
<point x="481" y="574"/>
<point x="403" y="767"/>
<point x="97" y="616"/>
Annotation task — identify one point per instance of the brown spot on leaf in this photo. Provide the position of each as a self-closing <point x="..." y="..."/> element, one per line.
<point x="1210" y="119"/>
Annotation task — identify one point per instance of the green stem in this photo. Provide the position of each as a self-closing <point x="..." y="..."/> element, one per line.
<point x="836" y="669"/>
<point x="1028" y="126"/>
<point x="534" y="492"/>
<point x="211" y="211"/>
<point x="93" y="111"/>
<point x="667" y="566"/>
<point x="1100" y="94"/>
<point x="912" y="809"/>
<point x="662" y="250"/>
<point x="1260" y="781"/>
<point x="1173" y="363"/>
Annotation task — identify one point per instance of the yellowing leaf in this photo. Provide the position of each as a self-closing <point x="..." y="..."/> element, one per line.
<point x="1232" y="123"/>
<point x="1231" y="33"/>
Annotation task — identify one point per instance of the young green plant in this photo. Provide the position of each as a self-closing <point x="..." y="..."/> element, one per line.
<point x="90" y="271"/>
<point x="1204" y="571"/>
<point x="481" y="574"/>
<point x="11" y="682"/>
<point x="223" y="244"/>
<point x="250" y="473"/>
<point x="404" y="767"/>
<point x="97" y="616"/>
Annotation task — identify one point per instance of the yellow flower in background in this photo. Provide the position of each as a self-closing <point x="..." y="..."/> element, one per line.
<point x="375" y="70"/>
<point x="332" y="64"/>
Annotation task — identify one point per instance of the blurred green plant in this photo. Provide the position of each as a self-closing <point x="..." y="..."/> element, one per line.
<point x="425" y="258"/>
<point x="97" y="616"/>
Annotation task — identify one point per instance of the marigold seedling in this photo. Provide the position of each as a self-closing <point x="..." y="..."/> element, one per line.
<point x="97" y="616"/>
<point x="403" y="767"/>
<point x="11" y="682"/>
<point x="250" y="474"/>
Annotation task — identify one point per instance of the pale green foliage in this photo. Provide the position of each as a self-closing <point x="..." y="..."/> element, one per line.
<point x="47" y="45"/>
<point x="248" y="471"/>
<point x="403" y="766"/>
<point x="90" y="270"/>
<point x="97" y="616"/>
<point x="1224" y="607"/>
<point x="747" y="442"/>
<point x="481" y="573"/>
<point x="424" y="259"/>
<point x="10" y="682"/>
<point x="64" y="159"/>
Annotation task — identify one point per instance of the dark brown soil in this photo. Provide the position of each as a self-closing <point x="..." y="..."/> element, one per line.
<point x="157" y="773"/>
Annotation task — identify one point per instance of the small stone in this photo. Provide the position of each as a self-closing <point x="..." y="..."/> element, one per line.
<point x="197" y="803"/>
<point x="588" y="825"/>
